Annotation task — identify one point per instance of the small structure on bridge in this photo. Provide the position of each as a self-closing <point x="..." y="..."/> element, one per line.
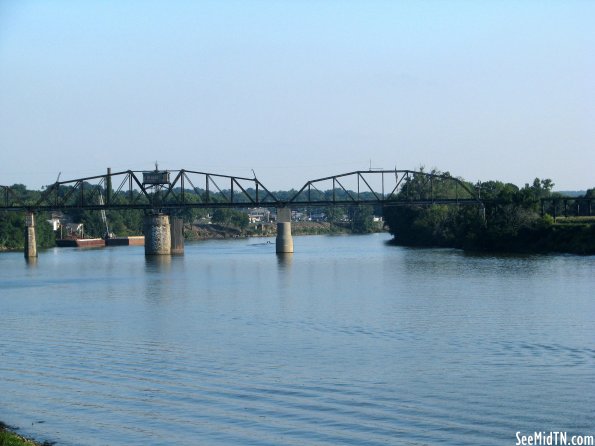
<point x="156" y="177"/>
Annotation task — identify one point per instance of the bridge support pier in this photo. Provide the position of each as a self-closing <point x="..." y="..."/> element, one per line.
<point x="177" y="236"/>
<point x="157" y="234"/>
<point x="30" y="239"/>
<point x="284" y="242"/>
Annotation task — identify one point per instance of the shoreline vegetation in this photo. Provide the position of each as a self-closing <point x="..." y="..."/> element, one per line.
<point x="8" y="437"/>
<point x="569" y="236"/>
<point x="512" y="220"/>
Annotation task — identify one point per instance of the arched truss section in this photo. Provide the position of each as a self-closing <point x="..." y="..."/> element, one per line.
<point x="387" y="187"/>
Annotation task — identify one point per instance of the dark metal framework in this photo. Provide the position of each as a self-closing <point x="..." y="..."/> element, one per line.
<point x="386" y="187"/>
<point x="126" y="190"/>
<point x="194" y="189"/>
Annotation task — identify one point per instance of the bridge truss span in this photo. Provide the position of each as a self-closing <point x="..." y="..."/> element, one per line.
<point x="386" y="187"/>
<point x="162" y="193"/>
<point x="144" y="190"/>
<point x="165" y="190"/>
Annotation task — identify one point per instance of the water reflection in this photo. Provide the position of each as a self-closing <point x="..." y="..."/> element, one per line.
<point x="284" y="266"/>
<point x="158" y="263"/>
<point x="31" y="261"/>
<point x="284" y="260"/>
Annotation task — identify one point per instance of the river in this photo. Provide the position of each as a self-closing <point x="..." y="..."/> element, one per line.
<point x="349" y="341"/>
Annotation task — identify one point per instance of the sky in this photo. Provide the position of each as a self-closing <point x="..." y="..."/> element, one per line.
<point x="298" y="90"/>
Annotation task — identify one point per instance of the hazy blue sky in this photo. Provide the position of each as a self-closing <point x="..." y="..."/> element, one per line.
<point x="298" y="89"/>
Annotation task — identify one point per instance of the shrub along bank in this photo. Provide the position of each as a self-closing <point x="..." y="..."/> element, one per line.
<point x="511" y="222"/>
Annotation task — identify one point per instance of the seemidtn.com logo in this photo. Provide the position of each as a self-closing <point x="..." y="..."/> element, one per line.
<point x="553" y="439"/>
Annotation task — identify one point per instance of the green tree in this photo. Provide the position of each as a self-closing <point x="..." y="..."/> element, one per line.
<point x="12" y="235"/>
<point x="221" y="215"/>
<point x="361" y="219"/>
<point x="12" y="231"/>
<point x="230" y="217"/>
<point x="239" y="219"/>
<point x="334" y="214"/>
<point x="46" y="238"/>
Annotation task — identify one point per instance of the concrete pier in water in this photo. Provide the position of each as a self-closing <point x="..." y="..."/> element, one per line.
<point x="177" y="236"/>
<point x="30" y="239"/>
<point x="284" y="241"/>
<point x="157" y="232"/>
<point x="163" y="235"/>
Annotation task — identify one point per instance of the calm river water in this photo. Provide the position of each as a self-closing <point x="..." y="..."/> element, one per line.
<point x="348" y="342"/>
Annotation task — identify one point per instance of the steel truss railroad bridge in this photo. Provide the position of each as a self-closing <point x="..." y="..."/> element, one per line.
<point x="161" y="193"/>
<point x="169" y="190"/>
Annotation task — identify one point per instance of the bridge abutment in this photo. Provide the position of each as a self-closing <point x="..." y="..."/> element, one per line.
<point x="284" y="241"/>
<point x="157" y="232"/>
<point x="30" y="238"/>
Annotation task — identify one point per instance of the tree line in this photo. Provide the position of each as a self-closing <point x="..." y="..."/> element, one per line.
<point x="512" y="219"/>
<point x="126" y="222"/>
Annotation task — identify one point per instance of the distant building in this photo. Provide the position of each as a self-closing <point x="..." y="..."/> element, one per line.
<point x="259" y="215"/>
<point x="56" y="220"/>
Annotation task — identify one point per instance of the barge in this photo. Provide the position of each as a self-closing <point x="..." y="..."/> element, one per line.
<point x="138" y="240"/>
<point x="133" y="240"/>
<point x="80" y="243"/>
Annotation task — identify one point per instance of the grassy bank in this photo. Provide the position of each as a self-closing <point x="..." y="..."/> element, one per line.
<point x="9" y="438"/>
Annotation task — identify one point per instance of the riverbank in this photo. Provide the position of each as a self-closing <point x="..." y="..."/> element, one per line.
<point x="578" y="240"/>
<point x="10" y="438"/>
<point x="213" y="231"/>
<point x="216" y="231"/>
<point x="509" y="231"/>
